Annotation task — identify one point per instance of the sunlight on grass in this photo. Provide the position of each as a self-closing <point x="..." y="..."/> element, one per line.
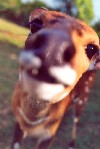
<point x="12" y="33"/>
<point x="8" y="26"/>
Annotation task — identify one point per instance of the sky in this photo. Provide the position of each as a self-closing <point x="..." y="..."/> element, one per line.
<point x="96" y="6"/>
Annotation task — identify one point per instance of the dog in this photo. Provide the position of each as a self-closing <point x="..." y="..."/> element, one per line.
<point x="56" y="69"/>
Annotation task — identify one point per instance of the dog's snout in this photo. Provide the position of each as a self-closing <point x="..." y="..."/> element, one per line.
<point x="50" y="41"/>
<point x="28" y="60"/>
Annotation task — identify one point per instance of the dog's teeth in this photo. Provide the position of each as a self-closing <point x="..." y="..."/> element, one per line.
<point x="34" y="71"/>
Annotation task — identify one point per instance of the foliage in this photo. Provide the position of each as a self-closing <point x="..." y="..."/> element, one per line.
<point x="17" y="11"/>
<point x="85" y="10"/>
<point x="9" y="4"/>
<point x="82" y="9"/>
<point x="12" y="33"/>
<point x="67" y="6"/>
<point x="26" y="8"/>
<point x="96" y="27"/>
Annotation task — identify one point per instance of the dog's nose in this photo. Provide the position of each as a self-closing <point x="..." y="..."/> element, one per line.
<point x="28" y="60"/>
<point x="53" y="46"/>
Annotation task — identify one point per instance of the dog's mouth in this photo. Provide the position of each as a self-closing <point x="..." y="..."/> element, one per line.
<point x="51" y="84"/>
<point x="42" y="75"/>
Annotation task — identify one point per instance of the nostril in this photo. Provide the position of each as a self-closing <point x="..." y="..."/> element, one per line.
<point x="68" y="54"/>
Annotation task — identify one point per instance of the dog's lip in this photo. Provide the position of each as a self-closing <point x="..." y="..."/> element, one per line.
<point x="64" y="74"/>
<point x="51" y="75"/>
<point x="35" y="74"/>
<point x="43" y="90"/>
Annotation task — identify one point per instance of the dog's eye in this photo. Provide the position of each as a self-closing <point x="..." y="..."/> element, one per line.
<point x="91" y="50"/>
<point x="36" y="25"/>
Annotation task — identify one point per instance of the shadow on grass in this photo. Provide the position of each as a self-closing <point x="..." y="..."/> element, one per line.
<point x="8" y="77"/>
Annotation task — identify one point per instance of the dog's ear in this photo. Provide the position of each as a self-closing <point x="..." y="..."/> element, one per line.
<point x="36" y="13"/>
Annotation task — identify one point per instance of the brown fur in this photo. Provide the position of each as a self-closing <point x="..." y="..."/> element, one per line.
<point x="25" y="107"/>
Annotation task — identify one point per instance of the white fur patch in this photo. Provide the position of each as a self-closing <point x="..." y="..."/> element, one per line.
<point x="86" y="82"/>
<point x="16" y="146"/>
<point x="80" y="102"/>
<point x="71" y="148"/>
<point x="85" y="99"/>
<point x="25" y="134"/>
<point x="87" y="89"/>
<point x="64" y="74"/>
<point x="48" y="91"/>
<point x="92" y="65"/>
<point x="44" y="136"/>
<point x="29" y="60"/>
<point x="90" y="78"/>
<point x="42" y="90"/>
<point x="76" y="119"/>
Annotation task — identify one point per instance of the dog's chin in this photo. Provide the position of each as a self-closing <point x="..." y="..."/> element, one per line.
<point x="41" y="90"/>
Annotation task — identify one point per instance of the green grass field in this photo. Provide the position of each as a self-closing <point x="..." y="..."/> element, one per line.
<point x="12" y="39"/>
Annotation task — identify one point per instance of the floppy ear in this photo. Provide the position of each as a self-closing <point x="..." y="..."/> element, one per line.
<point x="35" y="13"/>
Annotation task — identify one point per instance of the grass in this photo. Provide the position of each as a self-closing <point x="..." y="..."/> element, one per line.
<point x="12" y="38"/>
<point x="12" y="33"/>
<point x="89" y="127"/>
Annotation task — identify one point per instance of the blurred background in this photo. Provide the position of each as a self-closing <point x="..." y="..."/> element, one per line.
<point x="18" y="10"/>
<point x="14" y="30"/>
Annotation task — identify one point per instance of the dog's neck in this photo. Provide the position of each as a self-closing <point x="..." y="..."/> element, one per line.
<point x="33" y="108"/>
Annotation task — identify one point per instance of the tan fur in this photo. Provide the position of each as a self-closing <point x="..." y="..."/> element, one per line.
<point x="52" y="113"/>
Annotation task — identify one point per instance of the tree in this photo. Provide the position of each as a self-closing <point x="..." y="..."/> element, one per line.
<point x="9" y="4"/>
<point x="85" y="10"/>
<point x="17" y="11"/>
<point x="27" y="7"/>
<point x="9" y="8"/>
<point x="96" y="27"/>
<point x="82" y="9"/>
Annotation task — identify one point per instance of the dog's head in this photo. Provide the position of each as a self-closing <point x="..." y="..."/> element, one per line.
<point x="58" y="50"/>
